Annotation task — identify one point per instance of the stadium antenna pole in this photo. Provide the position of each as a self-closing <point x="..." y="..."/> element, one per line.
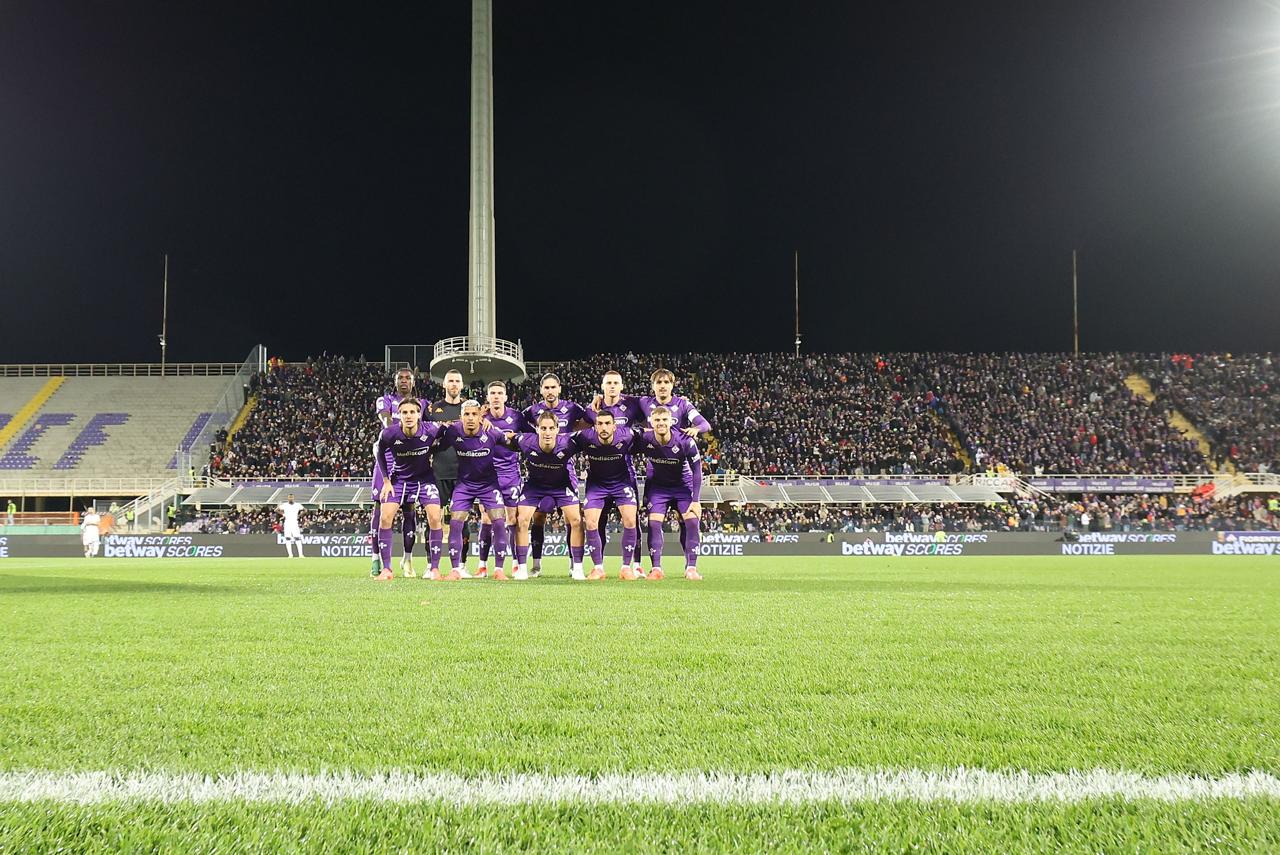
<point x="1075" y="305"/>
<point x="164" y="317"/>
<point x="797" y="270"/>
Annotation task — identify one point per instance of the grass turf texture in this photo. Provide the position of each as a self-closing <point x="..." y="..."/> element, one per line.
<point x="1155" y="665"/>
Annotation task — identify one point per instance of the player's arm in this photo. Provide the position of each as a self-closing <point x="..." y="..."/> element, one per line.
<point x="697" y="422"/>
<point x="581" y="422"/>
<point x="695" y="469"/>
<point x="380" y="458"/>
<point x="384" y="415"/>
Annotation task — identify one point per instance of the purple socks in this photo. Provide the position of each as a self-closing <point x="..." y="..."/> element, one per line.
<point x="630" y="538"/>
<point x="655" y="543"/>
<point x="435" y="543"/>
<point x="499" y="528"/>
<point x="455" y="543"/>
<point x="486" y="540"/>
<point x="692" y="537"/>
<point x="384" y="547"/>
<point x="595" y="547"/>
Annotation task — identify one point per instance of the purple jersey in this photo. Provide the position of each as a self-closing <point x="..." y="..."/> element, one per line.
<point x="548" y="470"/>
<point x="505" y="460"/>
<point x="389" y="406"/>
<point x="567" y="414"/>
<point x="476" y="459"/>
<point x="607" y="464"/>
<point x="675" y="463"/>
<point x="408" y="457"/>
<point x="683" y="414"/>
<point x="626" y="413"/>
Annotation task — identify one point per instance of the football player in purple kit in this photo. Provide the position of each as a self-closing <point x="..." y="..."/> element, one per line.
<point x="674" y="481"/>
<point x="403" y="459"/>
<point x="569" y="417"/>
<point x="551" y="481"/>
<point x="388" y="412"/>
<point x="477" y="482"/>
<point x="611" y="479"/>
<point x="507" y="462"/>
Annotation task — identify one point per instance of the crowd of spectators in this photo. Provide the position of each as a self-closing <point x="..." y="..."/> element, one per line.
<point x="313" y="418"/>
<point x="1110" y="512"/>
<point x="1090" y="512"/>
<point x="1234" y="400"/>
<point x="266" y="520"/>
<point x="1036" y="413"/>
<point x="836" y="413"/>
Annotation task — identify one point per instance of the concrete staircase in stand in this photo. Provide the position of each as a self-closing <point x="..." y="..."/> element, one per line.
<point x="1141" y="387"/>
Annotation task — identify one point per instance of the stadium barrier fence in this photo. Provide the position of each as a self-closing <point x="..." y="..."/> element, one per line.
<point x="877" y="545"/>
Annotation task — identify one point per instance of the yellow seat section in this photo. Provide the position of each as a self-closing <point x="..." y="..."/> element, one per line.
<point x="29" y="410"/>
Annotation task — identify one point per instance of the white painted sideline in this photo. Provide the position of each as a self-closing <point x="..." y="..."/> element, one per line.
<point x="790" y="787"/>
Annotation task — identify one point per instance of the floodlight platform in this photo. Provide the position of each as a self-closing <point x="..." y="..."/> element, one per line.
<point x="483" y="359"/>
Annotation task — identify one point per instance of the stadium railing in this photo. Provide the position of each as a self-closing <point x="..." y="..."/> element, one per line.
<point x="121" y="369"/>
<point x="80" y="487"/>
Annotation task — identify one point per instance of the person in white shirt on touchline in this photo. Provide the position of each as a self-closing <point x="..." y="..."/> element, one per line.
<point x="90" y="532"/>
<point x="292" y="531"/>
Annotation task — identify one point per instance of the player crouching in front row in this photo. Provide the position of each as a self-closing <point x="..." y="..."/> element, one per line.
<point x="551" y="483"/>
<point x="674" y="481"/>
<point x="403" y="459"/>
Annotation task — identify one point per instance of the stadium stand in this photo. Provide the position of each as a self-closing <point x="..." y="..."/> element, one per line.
<point x="102" y="426"/>
<point x="823" y="414"/>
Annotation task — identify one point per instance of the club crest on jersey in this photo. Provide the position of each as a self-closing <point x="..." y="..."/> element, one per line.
<point x="484" y="437"/>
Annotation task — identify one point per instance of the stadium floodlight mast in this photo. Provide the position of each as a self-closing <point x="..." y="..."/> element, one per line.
<point x="797" y="304"/>
<point x="480" y="355"/>
<point x="164" y="317"/>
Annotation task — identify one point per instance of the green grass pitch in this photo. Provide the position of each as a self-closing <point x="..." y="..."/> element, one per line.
<point x="1160" y="665"/>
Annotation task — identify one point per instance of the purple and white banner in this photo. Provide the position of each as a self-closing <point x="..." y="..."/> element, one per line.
<point x="1103" y="485"/>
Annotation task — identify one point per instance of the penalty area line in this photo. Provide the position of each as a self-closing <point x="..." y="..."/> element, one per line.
<point x="849" y="786"/>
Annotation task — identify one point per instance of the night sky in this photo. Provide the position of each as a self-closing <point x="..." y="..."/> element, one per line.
<point x="656" y="166"/>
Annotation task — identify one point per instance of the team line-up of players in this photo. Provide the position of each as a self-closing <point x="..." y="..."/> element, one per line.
<point x="492" y="440"/>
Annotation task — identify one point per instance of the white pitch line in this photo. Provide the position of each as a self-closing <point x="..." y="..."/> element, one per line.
<point x="848" y="786"/>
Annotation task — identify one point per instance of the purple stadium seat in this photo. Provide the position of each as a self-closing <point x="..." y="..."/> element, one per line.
<point x="17" y="457"/>
<point x="94" y="433"/>
<point x="202" y="420"/>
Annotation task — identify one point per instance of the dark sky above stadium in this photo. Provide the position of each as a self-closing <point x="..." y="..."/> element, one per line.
<point x="656" y="165"/>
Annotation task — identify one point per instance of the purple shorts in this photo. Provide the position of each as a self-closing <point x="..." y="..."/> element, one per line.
<point x="489" y="497"/>
<point x="510" y="487"/>
<point x="378" y="481"/>
<point x="413" y="493"/>
<point x="547" y="499"/>
<point x="661" y="498"/>
<point x="599" y="494"/>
